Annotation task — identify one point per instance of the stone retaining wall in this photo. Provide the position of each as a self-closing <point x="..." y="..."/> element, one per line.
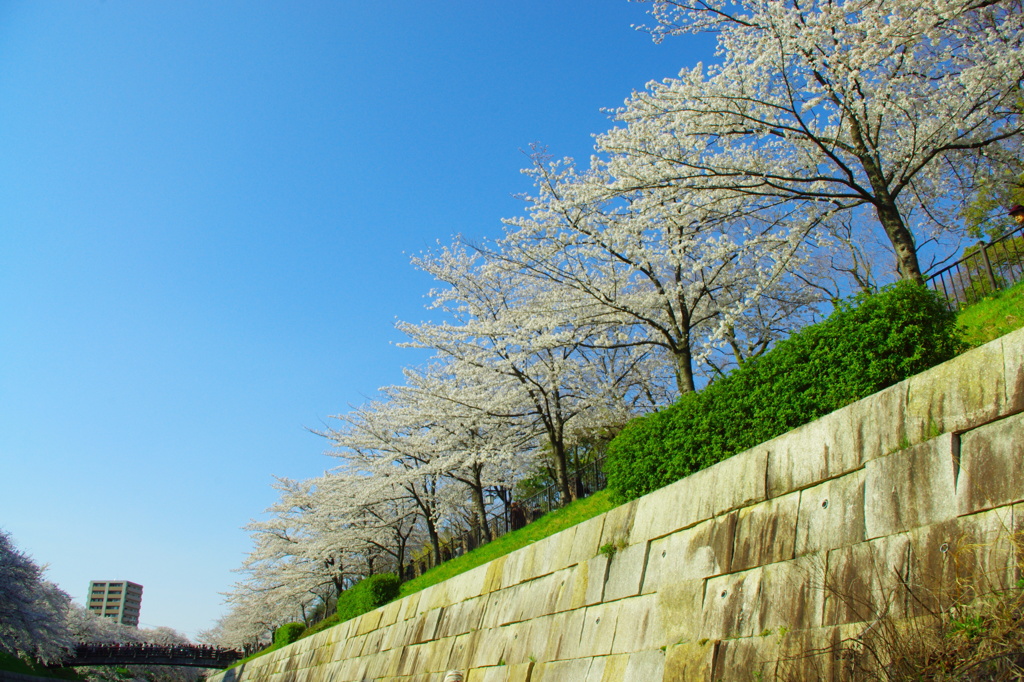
<point x="878" y="510"/>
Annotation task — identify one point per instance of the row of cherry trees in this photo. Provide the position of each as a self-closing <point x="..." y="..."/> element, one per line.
<point x="40" y="622"/>
<point x="834" y="145"/>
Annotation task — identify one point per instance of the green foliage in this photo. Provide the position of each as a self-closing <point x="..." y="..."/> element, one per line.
<point x="867" y="344"/>
<point x="288" y="633"/>
<point x="363" y="597"/>
<point x="13" y="664"/>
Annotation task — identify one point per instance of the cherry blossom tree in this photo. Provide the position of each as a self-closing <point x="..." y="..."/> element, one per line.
<point x="653" y="269"/>
<point x="33" y="611"/>
<point x="533" y="352"/>
<point x="870" y="107"/>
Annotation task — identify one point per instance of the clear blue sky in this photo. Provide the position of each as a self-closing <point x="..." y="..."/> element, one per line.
<point x="206" y="212"/>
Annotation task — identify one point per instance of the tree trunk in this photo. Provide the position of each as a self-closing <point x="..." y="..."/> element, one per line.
<point x="902" y="241"/>
<point x="481" y="507"/>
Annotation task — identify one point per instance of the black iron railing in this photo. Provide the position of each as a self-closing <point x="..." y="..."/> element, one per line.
<point x="983" y="270"/>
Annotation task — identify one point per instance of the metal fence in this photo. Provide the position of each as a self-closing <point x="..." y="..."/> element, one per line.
<point x="512" y="514"/>
<point x="984" y="269"/>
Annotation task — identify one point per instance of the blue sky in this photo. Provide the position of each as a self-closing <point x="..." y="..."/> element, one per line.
<point x="206" y="216"/>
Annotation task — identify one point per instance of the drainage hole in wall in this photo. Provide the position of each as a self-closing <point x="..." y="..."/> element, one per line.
<point x="944" y="547"/>
<point x="824" y="504"/>
<point x="664" y="553"/>
<point x="725" y="593"/>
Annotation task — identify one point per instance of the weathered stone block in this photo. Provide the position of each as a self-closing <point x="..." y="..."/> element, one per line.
<point x="831" y="514"/>
<point x="991" y="466"/>
<point x="837" y="443"/>
<point x="566" y="631"/>
<point x="690" y="661"/>
<point x="597" y="572"/>
<point x="586" y="539"/>
<point x="734" y="483"/>
<point x="520" y="638"/>
<point x="492" y="577"/>
<point x="765" y="532"/>
<point x="468" y="585"/>
<point x="1013" y="369"/>
<point x="625" y="571"/>
<point x="618" y="523"/>
<point x="786" y="594"/>
<point x="957" y="560"/>
<point x="958" y="395"/>
<point x="699" y="552"/>
<point x="561" y="671"/>
<point x="490" y="648"/>
<point x="910" y="488"/>
<point x="865" y="581"/>
<point x="573" y="593"/>
<point x="639" y="625"/>
<point x="598" y="630"/>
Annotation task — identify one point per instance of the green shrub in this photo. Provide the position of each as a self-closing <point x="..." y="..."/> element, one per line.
<point x="288" y="633"/>
<point x="867" y="344"/>
<point x="363" y="597"/>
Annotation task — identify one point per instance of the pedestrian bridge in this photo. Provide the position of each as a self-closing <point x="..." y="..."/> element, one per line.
<point x="142" y="653"/>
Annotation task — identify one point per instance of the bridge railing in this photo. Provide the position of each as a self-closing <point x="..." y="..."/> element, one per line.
<point x="145" y="653"/>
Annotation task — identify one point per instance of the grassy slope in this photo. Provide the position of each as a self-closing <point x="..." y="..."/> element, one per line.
<point x="993" y="316"/>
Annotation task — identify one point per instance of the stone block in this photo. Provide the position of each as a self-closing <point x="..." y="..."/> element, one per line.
<point x="410" y="605"/>
<point x="561" y="671"/>
<point x="552" y="552"/>
<point x="502" y="608"/>
<point x="786" y="655"/>
<point x="699" y="552"/>
<point x="368" y="622"/>
<point x="831" y="514"/>
<point x="618" y="523"/>
<point x="389" y="613"/>
<point x="598" y="630"/>
<point x="492" y="579"/>
<point x="611" y="668"/>
<point x="439" y="654"/>
<point x="586" y="539"/>
<point x="765" y="532"/>
<point x="911" y="488"/>
<point x="460" y="617"/>
<point x="691" y="661"/>
<point x="625" y="571"/>
<point x="597" y="573"/>
<point x="572" y="591"/>
<point x="680" y="605"/>
<point x="426" y="626"/>
<point x="490" y="648"/>
<point x="958" y="560"/>
<point x="786" y="594"/>
<point x="566" y="631"/>
<point x="731" y="484"/>
<point x="639" y="625"/>
<point x="1013" y="369"/>
<point x="958" y="395"/>
<point x="865" y="581"/>
<point x="837" y="443"/>
<point x="991" y="466"/>
<point x="467" y="585"/>
<point x="519" y="639"/>
<point x="463" y="650"/>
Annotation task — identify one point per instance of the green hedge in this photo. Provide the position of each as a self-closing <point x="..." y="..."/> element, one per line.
<point x="288" y="633"/>
<point x="363" y="597"/>
<point x="867" y="344"/>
